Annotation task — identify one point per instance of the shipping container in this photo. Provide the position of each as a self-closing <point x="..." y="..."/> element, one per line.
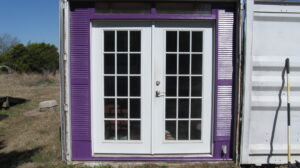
<point x="272" y="35"/>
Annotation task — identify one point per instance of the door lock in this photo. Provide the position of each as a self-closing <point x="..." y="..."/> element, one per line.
<point x="157" y="83"/>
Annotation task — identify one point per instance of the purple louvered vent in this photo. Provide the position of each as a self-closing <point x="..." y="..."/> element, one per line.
<point x="80" y="112"/>
<point x="80" y="75"/>
<point x="79" y="30"/>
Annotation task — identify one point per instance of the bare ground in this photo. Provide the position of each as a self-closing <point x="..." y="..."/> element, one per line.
<point x="34" y="141"/>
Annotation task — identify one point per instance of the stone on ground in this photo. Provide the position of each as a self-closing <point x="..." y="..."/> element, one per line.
<point x="50" y="104"/>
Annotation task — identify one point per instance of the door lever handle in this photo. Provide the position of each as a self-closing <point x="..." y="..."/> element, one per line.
<point x="159" y="93"/>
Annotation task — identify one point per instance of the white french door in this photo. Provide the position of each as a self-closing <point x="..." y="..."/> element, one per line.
<point x="183" y="87"/>
<point x="120" y="76"/>
<point x="151" y="87"/>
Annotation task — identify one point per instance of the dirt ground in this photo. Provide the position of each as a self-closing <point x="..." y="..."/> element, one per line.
<point x="34" y="141"/>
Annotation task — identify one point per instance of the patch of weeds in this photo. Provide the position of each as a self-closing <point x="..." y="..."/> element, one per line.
<point x="15" y="110"/>
<point x="40" y="158"/>
<point x="43" y="132"/>
<point x="41" y="82"/>
<point x="1" y="130"/>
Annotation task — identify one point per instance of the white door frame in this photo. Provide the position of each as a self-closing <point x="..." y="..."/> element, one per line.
<point x="151" y="142"/>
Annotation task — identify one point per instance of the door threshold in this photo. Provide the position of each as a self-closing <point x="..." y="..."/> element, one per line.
<point x="152" y="155"/>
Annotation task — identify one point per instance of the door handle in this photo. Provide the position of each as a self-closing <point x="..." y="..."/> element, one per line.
<point x="159" y="93"/>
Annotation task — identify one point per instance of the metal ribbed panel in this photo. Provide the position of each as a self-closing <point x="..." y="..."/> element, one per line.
<point x="224" y="73"/>
<point x="225" y="45"/>
<point x="272" y="36"/>
<point x="224" y="110"/>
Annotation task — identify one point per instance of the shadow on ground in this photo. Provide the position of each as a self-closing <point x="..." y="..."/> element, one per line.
<point x="1" y="144"/>
<point x="15" y="158"/>
<point x="3" y="116"/>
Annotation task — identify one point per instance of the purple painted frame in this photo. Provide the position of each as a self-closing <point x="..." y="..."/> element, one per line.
<point x="151" y="16"/>
<point x="80" y="86"/>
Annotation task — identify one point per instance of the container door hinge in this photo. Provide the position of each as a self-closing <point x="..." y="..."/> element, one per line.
<point x="66" y="107"/>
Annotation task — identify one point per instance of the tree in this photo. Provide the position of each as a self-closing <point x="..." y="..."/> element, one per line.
<point x="15" y="58"/>
<point x="42" y="57"/>
<point x="6" y="42"/>
<point x="35" y="57"/>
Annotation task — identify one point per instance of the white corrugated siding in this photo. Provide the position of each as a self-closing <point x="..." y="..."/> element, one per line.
<point x="275" y="36"/>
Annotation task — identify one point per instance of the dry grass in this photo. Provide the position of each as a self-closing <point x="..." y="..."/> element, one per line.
<point x="29" y="141"/>
<point x="33" y="142"/>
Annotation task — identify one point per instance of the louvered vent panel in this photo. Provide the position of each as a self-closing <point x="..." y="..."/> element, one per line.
<point x="79" y="29"/>
<point x="80" y="112"/>
<point x="80" y="75"/>
<point x="224" y="74"/>
<point x="224" y="94"/>
<point x="225" y="45"/>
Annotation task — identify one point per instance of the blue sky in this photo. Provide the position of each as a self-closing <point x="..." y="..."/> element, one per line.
<point x="30" y="20"/>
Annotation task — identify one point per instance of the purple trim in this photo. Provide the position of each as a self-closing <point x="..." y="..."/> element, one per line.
<point x="222" y="136"/>
<point x="85" y="155"/>
<point x="216" y="149"/>
<point x="80" y="87"/>
<point x="152" y="16"/>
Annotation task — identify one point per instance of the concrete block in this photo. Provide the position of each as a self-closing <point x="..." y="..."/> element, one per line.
<point x="50" y="104"/>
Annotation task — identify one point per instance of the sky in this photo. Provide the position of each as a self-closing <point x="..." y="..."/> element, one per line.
<point x="30" y="20"/>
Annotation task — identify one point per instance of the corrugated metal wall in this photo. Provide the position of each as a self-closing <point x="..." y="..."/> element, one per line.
<point x="273" y="34"/>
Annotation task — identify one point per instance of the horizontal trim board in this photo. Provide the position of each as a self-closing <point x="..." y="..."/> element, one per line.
<point x="278" y="149"/>
<point x="151" y="16"/>
<point x="277" y="1"/>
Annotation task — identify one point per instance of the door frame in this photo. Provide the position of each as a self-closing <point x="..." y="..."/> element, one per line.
<point x="133" y="25"/>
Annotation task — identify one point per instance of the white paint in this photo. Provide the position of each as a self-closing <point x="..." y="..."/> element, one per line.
<point x="65" y="40"/>
<point x="272" y="35"/>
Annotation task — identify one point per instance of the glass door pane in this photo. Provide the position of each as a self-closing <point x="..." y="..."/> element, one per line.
<point x="183" y="85"/>
<point x="122" y="85"/>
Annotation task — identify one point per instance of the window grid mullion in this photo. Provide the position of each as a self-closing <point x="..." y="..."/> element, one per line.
<point x="190" y="88"/>
<point x="177" y="85"/>
<point x="128" y="87"/>
<point x="116" y="88"/>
